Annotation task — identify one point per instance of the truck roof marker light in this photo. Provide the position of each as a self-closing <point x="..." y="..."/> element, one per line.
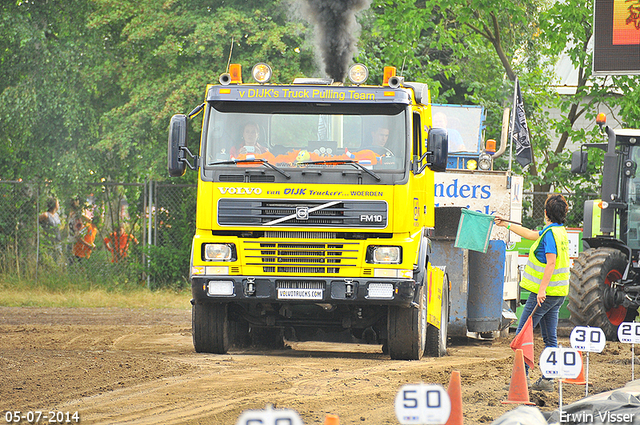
<point x="358" y="74"/>
<point x="235" y="72"/>
<point x="390" y="93"/>
<point x="601" y="119"/>
<point x="389" y="71"/>
<point x="261" y="72"/>
<point x="225" y="91"/>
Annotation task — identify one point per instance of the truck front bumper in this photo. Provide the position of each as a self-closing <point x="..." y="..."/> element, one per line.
<point x="244" y="289"/>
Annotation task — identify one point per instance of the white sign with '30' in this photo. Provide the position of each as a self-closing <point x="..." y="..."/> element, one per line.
<point x="586" y="338"/>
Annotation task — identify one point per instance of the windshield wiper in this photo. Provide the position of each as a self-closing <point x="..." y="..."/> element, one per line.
<point x="345" y="161"/>
<point x="255" y="160"/>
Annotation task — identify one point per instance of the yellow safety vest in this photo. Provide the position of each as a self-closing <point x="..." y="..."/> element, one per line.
<point x="534" y="270"/>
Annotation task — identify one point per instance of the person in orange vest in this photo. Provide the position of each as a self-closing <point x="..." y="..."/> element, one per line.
<point x="118" y="243"/>
<point x="85" y="241"/>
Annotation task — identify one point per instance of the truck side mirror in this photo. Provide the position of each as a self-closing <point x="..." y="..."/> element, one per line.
<point x="438" y="149"/>
<point x="177" y="141"/>
<point x="579" y="162"/>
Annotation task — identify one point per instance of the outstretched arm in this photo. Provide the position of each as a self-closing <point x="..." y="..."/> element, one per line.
<point x="517" y="229"/>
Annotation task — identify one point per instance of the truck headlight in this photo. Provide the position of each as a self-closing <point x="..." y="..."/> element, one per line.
<point x="384" y="255"/>
<point x="484" y="161"/>
<point x="218" y="252"/>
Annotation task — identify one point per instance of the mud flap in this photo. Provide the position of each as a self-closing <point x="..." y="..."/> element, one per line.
<point x="434" y="295"/>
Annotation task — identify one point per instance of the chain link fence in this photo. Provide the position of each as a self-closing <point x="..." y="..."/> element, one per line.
<point x="109" y="234"/>
<point x="19" y="206"/>
<point x="533" y="208"/>
<point x="106" y="234"/>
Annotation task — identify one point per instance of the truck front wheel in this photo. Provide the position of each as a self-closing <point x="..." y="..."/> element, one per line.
<point x="407" y="329"/>
<point x="210" y="328"/>
<point x="593" y="273"/>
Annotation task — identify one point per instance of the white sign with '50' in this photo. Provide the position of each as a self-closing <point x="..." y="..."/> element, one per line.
<point x="422" y="404"/>
<point x="558" y="362"/>
<point x="629" y="332"/>
<point x="586" y="338"/>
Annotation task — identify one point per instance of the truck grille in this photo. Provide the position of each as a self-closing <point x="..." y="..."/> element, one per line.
<point x="288" y="257"/>
<point x="302" y="213"/>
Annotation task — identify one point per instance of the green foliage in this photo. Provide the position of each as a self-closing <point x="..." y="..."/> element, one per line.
<point x="45" y="125"/>
<point x="87" y="87"/>
<point x="163" y="58"/>
<point x="166" y="266"/>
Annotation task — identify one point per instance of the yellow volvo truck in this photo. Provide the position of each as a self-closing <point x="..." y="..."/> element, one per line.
<point x="315" y="204"/>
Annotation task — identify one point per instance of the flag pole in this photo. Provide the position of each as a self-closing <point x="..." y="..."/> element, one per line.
<point x="514" y="112"/>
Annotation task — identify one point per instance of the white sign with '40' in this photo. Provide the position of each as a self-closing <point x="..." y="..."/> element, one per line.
<point x="422" y="404"/>
<point x="586" y="338"/>
<point x="558" y="362"/>
<point x="629" y="332"/>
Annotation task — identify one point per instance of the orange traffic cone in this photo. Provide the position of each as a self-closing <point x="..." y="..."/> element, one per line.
<point x="518" y="389"/>
<point x="580" y="379"/>
<point x="455" y="394"/>
<point x="331" y="420"/>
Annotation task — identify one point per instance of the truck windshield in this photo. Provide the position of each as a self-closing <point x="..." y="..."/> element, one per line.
<point x="304" y="135"/>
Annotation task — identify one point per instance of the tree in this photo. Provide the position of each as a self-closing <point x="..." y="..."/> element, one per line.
<point x="46" y="123"/>
<point x="484" y="45"/>
<point x="163" y="53"/>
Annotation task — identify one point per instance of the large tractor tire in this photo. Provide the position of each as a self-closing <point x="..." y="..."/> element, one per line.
<point x="407" y="329"/>
<point x="210" y="328"/>
<point x="592" y="274"/>
<point x="437" y="338"/>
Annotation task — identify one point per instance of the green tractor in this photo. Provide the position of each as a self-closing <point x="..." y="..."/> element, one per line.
<point x="605" y="278"/>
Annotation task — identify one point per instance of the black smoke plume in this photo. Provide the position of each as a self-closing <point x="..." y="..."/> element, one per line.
<point x="336" y="29"/>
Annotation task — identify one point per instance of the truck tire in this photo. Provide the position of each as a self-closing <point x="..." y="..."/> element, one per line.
<point x="593" y="271"/>
<point x="437" y="338"/>
<point x="407" y="329"/>
<point x="210" y="328"/>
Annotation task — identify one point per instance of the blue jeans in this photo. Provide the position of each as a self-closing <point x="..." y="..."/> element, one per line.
<point x="546" y="315"/>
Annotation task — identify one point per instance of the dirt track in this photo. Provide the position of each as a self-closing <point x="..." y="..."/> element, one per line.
<point x="139" y="366"/>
